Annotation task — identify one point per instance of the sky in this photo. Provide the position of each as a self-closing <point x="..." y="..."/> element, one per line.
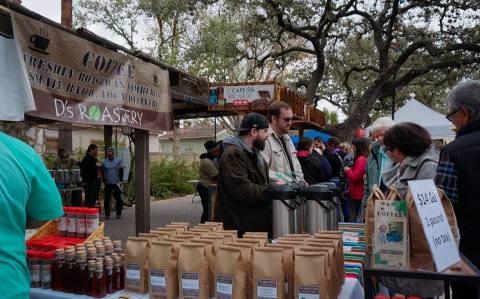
<point x="52" y="10"/>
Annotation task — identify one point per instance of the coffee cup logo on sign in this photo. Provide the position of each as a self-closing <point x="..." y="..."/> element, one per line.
<point x="40" y="41"/>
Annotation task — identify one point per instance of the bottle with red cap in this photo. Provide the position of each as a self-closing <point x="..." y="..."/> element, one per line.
<point x="48" y="258"/>
<point x="62" y="223"/>
<point x="35" y="265"/>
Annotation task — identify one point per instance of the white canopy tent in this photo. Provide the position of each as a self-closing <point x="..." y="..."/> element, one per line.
<point x="436" y="124"/>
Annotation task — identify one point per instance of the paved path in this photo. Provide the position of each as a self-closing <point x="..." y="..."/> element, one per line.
<point x="161" y="213"/>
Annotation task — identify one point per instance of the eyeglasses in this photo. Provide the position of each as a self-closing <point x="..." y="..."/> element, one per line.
<point x="287" y="119"/>
<point x="451" y="114"/>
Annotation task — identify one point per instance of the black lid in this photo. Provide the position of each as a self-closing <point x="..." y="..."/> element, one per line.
<point x="316" y="192"/>
<point x="280" y="192"/>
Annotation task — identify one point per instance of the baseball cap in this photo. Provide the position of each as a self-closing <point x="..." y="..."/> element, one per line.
<point x="253" y="120"/>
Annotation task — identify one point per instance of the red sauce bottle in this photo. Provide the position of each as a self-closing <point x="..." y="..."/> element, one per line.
<point x="90" y="283"/>
<point x="68" y="278"/>
<point x="116" y="274"/>
<point x="109" y="274"/>
<point x="100" y="282"/>
<point x="58" y="270"/>
<point x="122" y="272"/>
<point x="80" y="272"/>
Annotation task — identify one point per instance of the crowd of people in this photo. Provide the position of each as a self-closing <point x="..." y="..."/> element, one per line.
<point x="262" y="154"/>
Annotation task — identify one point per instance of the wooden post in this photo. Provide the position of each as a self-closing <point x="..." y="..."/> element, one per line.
<point x="107" y="137"/>
<point x="65" y="129"/>
<point x="142" y="182"/>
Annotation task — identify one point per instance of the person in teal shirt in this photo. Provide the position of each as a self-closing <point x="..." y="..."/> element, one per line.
<point x="27" y="195"/>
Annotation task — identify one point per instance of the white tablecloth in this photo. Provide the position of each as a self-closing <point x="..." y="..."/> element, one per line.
<point x="352" y="289"/>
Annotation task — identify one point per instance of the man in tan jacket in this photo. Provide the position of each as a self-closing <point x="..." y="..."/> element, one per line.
<point x="279" y="152"/>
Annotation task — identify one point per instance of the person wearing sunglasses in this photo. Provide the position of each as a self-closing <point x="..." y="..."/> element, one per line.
<point x="458" y="173"/>
<point x="279" y="152"/>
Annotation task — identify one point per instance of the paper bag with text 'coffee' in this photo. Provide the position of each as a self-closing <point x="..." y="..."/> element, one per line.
<point x="338" y="255"/>
<point x="163" y="270"/>
<point x="268" y="274"/>
<point x="193" y="271"/>
<point x="261" y="239"/>
<point x="247" y="255"/>
<point x="333" y="278"/>
<point x="211" y="256"/>
<point x="288" y="262"/>
<point x="161" y="234"/>
<point x="310" y="276"/>
<point x="136" y="257"/>
<point x="230" y="274"/>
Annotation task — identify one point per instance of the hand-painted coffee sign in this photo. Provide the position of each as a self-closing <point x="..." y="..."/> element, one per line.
<point x="75" y="80"/>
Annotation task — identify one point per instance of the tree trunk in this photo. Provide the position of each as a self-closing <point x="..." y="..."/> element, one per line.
<point x="315" y="79"/>
<point x="176" y="139"/>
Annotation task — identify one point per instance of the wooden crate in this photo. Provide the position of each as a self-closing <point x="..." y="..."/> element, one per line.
<point x="50" y="228"/>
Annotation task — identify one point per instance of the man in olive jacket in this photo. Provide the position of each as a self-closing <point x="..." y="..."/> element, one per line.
<point x="242" y="179"/>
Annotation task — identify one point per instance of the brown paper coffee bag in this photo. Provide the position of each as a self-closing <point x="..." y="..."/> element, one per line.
<point x="310" y="276"/>
<point x="185" y="224"/>
<point x="193" y="271"/>
<point x="179" y="227"/>
<point x="268" y="274"/>
<point x="333" y="277"/>
<point x="149" y="236"/>
<point x="230" y="274"/>
<point x="262" y="239"/>
<point x="288" y="262"/>
<point x="255" y="242"/>
<point x="263" y="234"/>
<point x="161" y="234"/>
<point x="163" y="270"/>
<point x="247" y="256"/>
<point x="218" y="224"/>
<point x="338" y="255"/>
<point x="211" y="257"/>
<point x="136" y="257"/>
<point x="171" y="230"/>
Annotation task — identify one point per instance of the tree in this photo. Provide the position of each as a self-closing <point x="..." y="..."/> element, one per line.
<point x="404" y="43"/>
<point x="331" y="116"/>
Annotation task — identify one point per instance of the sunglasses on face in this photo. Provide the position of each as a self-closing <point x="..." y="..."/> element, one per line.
<point x="287" y="119"/>
<point x="452" y="114"/>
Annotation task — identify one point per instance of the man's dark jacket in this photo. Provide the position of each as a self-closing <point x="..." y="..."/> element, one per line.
<point x="464" y="152"/>
<point x="88" y="169"/>
<point x="242" y="179"/>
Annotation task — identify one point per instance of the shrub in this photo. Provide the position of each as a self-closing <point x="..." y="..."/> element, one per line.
<point x="170" y="178"/>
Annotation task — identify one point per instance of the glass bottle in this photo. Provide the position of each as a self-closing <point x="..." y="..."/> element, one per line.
<point x="68" y="278"/>
<point x="90" y="284"/>
<point x="80" y="272"/>
<point x="100" y="282"/>
<point x="35" y="265"/>
<point x="108" y="248"/>
<point x="122" y="272"/>
<point x="116" y="273"/>
<point x="48" y="259"/>
<point x="58" y="270"/>
<point x="109" y="274"/>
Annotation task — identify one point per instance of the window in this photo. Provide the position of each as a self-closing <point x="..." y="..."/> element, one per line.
<point x="52" y="145"/>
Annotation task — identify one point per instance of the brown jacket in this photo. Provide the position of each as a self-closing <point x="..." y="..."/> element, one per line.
<point x="242" y="179"/>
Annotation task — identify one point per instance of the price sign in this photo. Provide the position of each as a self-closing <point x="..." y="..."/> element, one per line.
<point x="435" y="224"/>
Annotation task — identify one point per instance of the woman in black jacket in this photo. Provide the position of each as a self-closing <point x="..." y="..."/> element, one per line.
<point x="315" y="167"/>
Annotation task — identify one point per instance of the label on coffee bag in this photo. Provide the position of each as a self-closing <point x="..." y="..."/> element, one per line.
<point x="190" y="284"/>
<point x="308" y="292"/>
<point x="266" y="289"/>
<point x="133" y="275"/>
<point x="224" y="287"/>
<point x="158" y="282"/>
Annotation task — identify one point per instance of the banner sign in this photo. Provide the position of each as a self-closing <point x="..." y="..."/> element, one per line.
<point x="242" y="95"/>
<point x="75" y="80"/>
<point x="435" y="224"/>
